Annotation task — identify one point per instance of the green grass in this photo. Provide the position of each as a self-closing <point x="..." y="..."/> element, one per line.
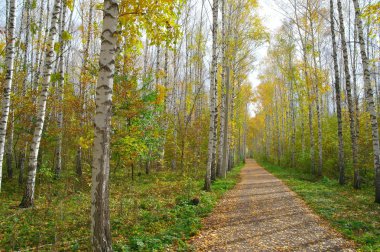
<point x="351" y="212"/>
<point x="150" y="214"/>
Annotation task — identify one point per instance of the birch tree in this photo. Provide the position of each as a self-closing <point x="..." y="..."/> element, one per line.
<point x="337" y="97"/>
<point x="316" y="89"/>
<point x="28" y="198"/>
<point x="213" y="87"/>
<point x="220" y="168"/>
<point x="9" y="63"/>
<point x="82" y="84"/>
<point x="350" y="101"/>
<point x="369" y="99"/>
<point x="100" y="216"/>
<point x="58" y="163"/>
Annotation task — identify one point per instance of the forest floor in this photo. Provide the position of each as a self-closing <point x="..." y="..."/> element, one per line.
<point x="151" y="213"/>
<point x="261" y="212"/>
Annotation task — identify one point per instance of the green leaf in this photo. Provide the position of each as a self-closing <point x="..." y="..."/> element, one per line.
<point x="70" y="4"/>
<point x="66" y="36"/>
<point x="99" y="6"/>
<point x="54" y="77"/>
<point x="57" y="46"/>
<point x="33" y="28"/>
<point x="34" y="4"/>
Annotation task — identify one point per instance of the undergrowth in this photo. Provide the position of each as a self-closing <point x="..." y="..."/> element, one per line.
<point x="148" y="214"/>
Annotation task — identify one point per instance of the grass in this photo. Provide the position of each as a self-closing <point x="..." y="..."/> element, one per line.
<point x="150" y="214"/>
<point x="351" y="212"/>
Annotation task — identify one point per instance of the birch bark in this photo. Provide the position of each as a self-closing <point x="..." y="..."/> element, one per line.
<point x="350" y="102"/>
<point x="58" y="163"/>
<point x="9" y="63"/>
<point x="100" y="215"/>
<point x="369" y="99"/>
<point x="28" y="198"/>
<point x="338" y="98"/>
<point x="220" y="169"/>
<point x="211" y="142"/>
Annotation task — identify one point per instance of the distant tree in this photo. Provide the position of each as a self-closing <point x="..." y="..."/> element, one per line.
<point x="341" y="164"/>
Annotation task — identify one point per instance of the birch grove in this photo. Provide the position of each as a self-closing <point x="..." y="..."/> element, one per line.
<point x="334" y="86"/>
<point x="124" y="122"/>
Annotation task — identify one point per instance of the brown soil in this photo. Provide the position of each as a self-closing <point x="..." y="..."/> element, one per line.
<point x="262" y="214"/>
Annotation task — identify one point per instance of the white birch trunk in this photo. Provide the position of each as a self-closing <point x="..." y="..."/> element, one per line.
<point x="220" y="169"/>
<point x="58" y="163"/>
<point x="100" y="216"/>
<point x="28" y="198"/>
<point x="350" y="101"/>
<point x="9" y="146"/>
<point x="82" y="87"/>
<point x="211" y="142"/>
<point x="225" y="135"/>
<point x="341" y="165"/>
<point x="370" y="101"/>
<point x="9" y="63"/>
<point x="317" y="101"/>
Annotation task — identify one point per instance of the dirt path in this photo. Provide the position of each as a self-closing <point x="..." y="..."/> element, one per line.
<point x="263" y="214"/>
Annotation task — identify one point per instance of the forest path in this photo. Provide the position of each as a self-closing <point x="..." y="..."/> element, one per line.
<point x="262" y="214"/>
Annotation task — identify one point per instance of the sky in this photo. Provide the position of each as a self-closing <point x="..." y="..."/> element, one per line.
<point x="272" y="20"/>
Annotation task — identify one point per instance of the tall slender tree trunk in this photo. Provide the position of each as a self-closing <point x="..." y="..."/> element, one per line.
<point x="338" y="99"/>
<point x="41" y="45"/>
<point x="245" y="125"/>
<point x="21" y="164"/>
<point x="58" y="163"/>
<point x="225" y="128"/>
<point x="215" y="132"/>
<point x="82" y="87"/>
<point x="310" y="105"/>
<point x="350" y="102"/>
<point x="27" y="29"/>
<point x="28" y="198"/>
<point x="9" y="146"/>
<point x="317" y="103"/>
<point x="310" y="110"/>
<point x="9" y="64"/>
<point x="278" y="134"/>
<point x="23" y="151"/>
<point x="292" y="112"/>
<point x="370" y="100"/>
<point x="293" y="137"/>
<point x="311" y="129"/>
<point x="158" y="52"/>
<point x="146" y="50"/>
<point x="354" y="83"/>
<point x="232" y="144"/>
<point x="212" y="129"/>
<point x="165" y="111"/>
<point x="219" y="169"/>
<point x="267" y="133"/>
<point x="100" y="215"/>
